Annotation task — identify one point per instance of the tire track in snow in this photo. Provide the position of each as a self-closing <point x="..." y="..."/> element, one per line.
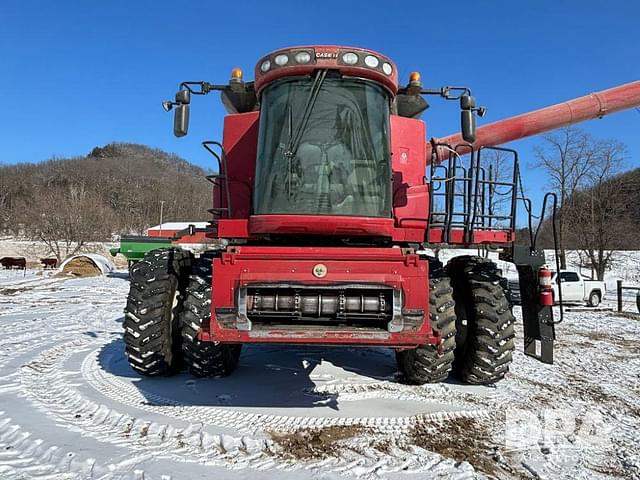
<point x="22" y="456"/>
<point x="46" y="384"/>
<point x="125" y="420"/>
<point x="125" y="392"/>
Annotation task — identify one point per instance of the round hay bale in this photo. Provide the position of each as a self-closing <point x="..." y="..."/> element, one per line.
<point x="89" y="265"/>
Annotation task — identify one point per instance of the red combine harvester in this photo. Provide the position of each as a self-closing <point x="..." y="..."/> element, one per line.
<point x="326" y="196"/>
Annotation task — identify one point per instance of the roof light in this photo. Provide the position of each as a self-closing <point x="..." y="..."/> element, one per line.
<point x="266" y="65"/>
<point x="387" y="68"/>
<point x="415" y="80"/>
<point x="281" y="60"/>
<point x="302" y="57"/>
<point x="415" y="84"/>
<point x="371" y="61"/>
<point x="236" y="75"/>
<point x="350" y="58"/>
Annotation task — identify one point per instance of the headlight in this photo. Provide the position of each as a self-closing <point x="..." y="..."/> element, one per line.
<point x="266" y="65"/>
<point x="350" y="58"/>
<point x="302" y="57"/>
<point x="371" y="61"/>
<point x="281" y="60"/>
<point x="386" y="68"/>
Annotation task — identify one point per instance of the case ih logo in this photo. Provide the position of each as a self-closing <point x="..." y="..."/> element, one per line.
<point x="328" y="55"/>
<point x="320" y="270"/>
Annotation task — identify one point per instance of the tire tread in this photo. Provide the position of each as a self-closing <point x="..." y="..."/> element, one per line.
<point x="479" y="287"/>
<point x="430" y="363"/>
<point x="150" y="316"/>
<point x="203" y="359"/>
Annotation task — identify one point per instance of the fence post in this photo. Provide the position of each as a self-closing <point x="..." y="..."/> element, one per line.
<point x="619" y="288"/>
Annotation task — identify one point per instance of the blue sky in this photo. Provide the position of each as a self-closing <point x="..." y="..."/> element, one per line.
<point x="76" y="74"/>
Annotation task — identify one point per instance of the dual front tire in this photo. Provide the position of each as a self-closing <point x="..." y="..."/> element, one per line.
<point x="151" y="328"/>
<point x="169" y="302"/>
<point x="470" y="311"/>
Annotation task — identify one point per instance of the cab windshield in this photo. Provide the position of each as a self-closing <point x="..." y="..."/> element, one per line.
<point x="324" y="148"/>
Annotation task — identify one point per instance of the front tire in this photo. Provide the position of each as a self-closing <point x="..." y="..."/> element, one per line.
<point x="485" y="324"/>
<point x="203" y="359"/>
<point x="151" y="333"/>
<point x="430" y="363"/>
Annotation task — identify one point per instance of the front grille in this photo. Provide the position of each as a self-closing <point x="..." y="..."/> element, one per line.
<point x="327" y="305"/>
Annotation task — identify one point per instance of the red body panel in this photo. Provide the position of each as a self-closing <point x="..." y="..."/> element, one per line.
<point x="233" y="228"/>
<point x="243" y="266"/>
<point x="410" y="193"/>
<point x="240" y="142"/>
<point x="320" y="225"/>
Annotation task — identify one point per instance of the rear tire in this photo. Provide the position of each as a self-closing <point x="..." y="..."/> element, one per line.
<point x="203" y="359"/>
<point x="485" y="324"/>
<point x="151" y="333"/>
<point x="428" y="363"/>
<point x="594" y="299"/>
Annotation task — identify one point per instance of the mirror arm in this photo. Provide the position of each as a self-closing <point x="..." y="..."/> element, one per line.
<point x="468" y="108"/>
<point x="201" y="88"/>
<point x="432" y="91"/>
<point x="448" y="93"/>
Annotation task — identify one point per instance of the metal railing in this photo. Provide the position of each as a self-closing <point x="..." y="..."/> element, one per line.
<point x="219" y="180"/>
<point x="473" y="195"/>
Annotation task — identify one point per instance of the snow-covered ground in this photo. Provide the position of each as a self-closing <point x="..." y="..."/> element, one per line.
<point x="71" y="408"/>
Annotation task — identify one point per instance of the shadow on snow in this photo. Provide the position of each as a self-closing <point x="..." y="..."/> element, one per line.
<point x="268" y="376"/>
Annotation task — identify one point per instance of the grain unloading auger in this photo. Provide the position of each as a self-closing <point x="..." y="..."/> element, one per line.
<point x="326" y="195"/>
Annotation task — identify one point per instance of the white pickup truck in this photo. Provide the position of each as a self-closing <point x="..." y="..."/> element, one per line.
<point x="577" y="290"/>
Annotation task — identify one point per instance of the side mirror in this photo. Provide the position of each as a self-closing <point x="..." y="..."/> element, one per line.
<point x="467" y="102"/>
<point x="468" y="125"/>
<point x="181" y="116"/>
<point x="181" y="120"/>
<point x="183" y="96"/>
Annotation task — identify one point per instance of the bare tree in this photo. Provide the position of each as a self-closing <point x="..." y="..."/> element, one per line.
<point x="6" y="209"/>
<point x="66" y="220"/>
<point x="598" y="216"/>
<point x="567" y="156"/>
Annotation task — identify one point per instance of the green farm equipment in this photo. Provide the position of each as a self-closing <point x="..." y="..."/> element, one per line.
<point x="134" y="248"/>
